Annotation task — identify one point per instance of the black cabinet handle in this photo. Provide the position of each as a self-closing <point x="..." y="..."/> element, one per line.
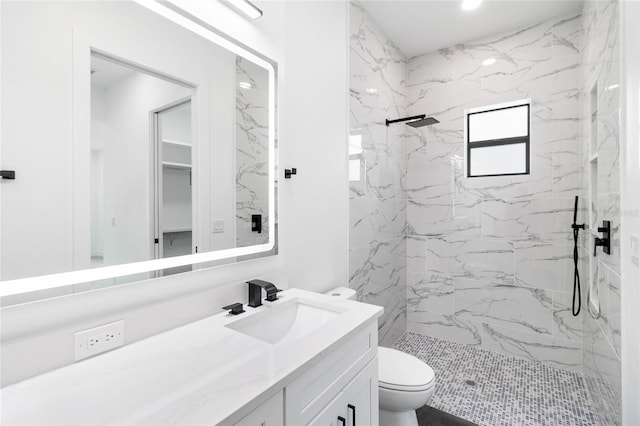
<point x="343" y="420"/>
<point x="353" y="415"/>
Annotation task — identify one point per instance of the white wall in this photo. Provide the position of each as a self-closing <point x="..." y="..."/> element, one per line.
<point x="309" y="43"/>
<point x="314" y="124"/>
<point x="630" y="208"/>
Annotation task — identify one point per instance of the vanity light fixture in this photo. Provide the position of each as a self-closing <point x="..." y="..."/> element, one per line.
<point x="245" y="7"/>
<point x="470" y="4"/>
<point x="489" y="61"/>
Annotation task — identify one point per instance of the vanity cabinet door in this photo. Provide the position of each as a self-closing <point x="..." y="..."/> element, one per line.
<point x="356" y="404"/>
<point x="271" y="413"/>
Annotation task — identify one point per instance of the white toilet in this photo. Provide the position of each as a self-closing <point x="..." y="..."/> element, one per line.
<point x="404" y="382"/>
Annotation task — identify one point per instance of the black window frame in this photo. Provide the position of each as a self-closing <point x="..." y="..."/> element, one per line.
<point x="497" y="142"/>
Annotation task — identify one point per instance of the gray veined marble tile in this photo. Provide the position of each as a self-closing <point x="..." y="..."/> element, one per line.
<point x="383" y="160"/>
<point x="567" y="172"/>
<point x="430" y="181"/>
<point x="373" y="219"/>
<point x="378" y="273"/>
<point x="615" y="310"/>
<point x="542" y="264"/>
<point x="568" y="35"/>
<point x="444" y="101"/>
<point x="429" y="293"/>
<point x="565" y="325"/>
<point x="546" y="81"/>
<point x="488" y="260"/>
<point x="560" y="353"/>
<point x="542" y="219"/>
<point x="608" y="154"/>
<point x="416" y="254"/>
<point x="518" y="308"/>
<point x="378" y="72"/>
<point x="448" y="327"/>
<point x="459" y="221"/>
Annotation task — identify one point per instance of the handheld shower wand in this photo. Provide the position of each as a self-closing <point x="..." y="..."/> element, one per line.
<point x="576" y="274"/>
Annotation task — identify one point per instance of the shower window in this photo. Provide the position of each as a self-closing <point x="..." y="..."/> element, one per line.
<point x="497" y="139"/>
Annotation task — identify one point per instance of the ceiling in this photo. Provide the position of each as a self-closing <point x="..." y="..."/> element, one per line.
<point x="419" y="27"/>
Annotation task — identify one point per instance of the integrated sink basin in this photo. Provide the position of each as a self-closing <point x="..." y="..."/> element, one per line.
<point x="285" y="320"/>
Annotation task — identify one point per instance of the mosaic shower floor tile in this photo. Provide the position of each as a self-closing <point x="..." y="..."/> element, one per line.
<point x="492" y="389"/>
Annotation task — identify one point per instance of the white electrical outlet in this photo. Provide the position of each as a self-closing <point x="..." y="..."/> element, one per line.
<point x="99" y="339"/>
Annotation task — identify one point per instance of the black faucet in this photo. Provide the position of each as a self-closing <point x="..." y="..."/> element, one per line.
<point x="255" y="292"/>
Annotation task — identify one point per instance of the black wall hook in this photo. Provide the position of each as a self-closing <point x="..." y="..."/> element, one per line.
<point x="289" y="172"/>
<point x="8" y="174"/>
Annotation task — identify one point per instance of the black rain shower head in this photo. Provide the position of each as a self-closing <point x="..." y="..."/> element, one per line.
<point x="415" y="121"/>
<point x="424" y="122"/>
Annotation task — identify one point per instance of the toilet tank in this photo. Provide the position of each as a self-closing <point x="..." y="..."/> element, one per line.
<point x="343" y="293"/>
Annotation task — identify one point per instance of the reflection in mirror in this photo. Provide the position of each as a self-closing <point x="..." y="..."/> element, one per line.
<point x="149" y="161"/>
<point x="140" y="131"/>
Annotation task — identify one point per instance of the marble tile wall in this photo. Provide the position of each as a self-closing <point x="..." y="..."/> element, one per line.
<point x="252" y="151"/>
<point x="377" y="159"/>
<point x="601" y="335"/>
<point x="489" y="260"/>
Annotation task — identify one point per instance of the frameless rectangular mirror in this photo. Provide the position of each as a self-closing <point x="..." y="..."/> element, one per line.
<point x="142" y="147"/>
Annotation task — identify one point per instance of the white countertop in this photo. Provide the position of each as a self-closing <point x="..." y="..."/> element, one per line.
<point x="200" y="373"/>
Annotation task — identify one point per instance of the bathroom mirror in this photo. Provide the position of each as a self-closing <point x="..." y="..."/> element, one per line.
<point x="138" y="153"/>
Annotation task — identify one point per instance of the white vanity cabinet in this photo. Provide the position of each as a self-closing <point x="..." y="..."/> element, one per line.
<point x="355" y="405"/>
<point x="345" y="377"/>
<point x="341" y="389"/>
<point x="269" y="413"/>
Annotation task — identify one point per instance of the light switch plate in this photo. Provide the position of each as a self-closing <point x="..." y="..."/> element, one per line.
<point x="635" y="249"/>
<point x="217" y="226"/>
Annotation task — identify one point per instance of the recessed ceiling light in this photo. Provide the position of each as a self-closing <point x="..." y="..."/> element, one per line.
<point x="489" y="61"/>
<point x="470" y="4"/>
<point x="245" y="85"/>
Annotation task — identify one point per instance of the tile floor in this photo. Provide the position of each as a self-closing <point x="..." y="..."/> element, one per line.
<point x="502" y="390"/>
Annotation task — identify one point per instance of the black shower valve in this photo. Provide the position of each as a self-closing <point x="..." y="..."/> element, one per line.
<point x="605" y="241"/>
<point x="289" y="172"/>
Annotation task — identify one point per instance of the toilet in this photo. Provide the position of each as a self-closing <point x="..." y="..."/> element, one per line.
<point x="404" y="382"/>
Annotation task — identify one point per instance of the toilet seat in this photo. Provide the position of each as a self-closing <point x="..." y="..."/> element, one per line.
<point x="399" y="371"/>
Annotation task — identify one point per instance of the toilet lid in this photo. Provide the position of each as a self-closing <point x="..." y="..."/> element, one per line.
<point x="400" y="371"/>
